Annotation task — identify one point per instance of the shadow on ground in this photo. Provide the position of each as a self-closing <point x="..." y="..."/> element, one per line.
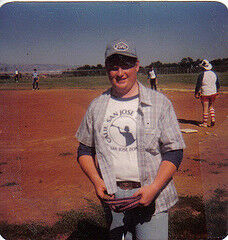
<point x="88" y="231"/>
<point x="185" y="121"/>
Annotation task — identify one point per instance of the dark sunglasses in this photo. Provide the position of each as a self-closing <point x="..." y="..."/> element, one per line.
<point x="115" y="62"/>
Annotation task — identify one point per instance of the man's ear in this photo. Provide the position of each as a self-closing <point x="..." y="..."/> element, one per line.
<point x="137" y="65"/>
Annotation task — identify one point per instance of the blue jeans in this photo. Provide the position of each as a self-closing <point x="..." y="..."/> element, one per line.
<point x="138" y="223"/>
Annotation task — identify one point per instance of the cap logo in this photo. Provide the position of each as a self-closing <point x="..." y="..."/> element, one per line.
<point x="121" y="46"/>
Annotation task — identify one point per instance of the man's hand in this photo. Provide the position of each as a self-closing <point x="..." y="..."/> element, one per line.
<point x="88" y="166"/>
<point x="101" y="190"/>
<point x="147" y="193"/>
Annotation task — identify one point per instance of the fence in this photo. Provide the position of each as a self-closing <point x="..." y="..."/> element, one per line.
<point x="142" y="70"/>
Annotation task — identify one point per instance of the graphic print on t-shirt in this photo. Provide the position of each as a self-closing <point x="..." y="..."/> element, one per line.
<point x="119" y="127"/>
<point x="121" y="131"/>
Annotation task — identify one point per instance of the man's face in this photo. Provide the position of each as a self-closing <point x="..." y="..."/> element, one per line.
<point x="122" y="72"/>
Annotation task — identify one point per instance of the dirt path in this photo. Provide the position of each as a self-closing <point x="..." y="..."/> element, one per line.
<point x="39" y="176"/>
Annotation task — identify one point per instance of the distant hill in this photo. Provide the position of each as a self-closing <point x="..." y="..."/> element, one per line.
<point x="10" y="68"/>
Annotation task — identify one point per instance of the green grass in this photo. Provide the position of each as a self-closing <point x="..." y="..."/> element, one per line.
<point x="191" y="218"/>
<point x="185" y="81"/>
<point x="87" y="223"/>
<point x="56" y="82"/>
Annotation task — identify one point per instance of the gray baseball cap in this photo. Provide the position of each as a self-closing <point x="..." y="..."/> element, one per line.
<point x="122" y="47"/>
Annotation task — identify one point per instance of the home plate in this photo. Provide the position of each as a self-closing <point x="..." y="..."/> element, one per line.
<point x="189" y="130"/>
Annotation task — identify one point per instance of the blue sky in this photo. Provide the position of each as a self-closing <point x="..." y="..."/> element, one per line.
<point x="76" y="33"/>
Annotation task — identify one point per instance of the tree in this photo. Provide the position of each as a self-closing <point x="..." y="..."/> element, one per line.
<point x="85" y="67"/>
<point x="156" y="64"/>
<point x="99" y="66"/>
<point x="186" y="61"/>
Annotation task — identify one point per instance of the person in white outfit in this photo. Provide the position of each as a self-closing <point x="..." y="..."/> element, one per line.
<point x="206" y="89"/>
<point x="152" y="78"/>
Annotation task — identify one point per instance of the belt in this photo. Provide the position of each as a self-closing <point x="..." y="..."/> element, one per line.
<point x="123" y="204"/>
<point x="128" y="185"/>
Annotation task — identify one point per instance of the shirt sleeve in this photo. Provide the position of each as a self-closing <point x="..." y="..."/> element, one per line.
<point x="217" y="84"/>
<point x="199" y="83"/>
<point x="174" y="157"/>
<point x="170" y="134"/>
<point x="85" y="132"/>
<point x="85" y="150"/>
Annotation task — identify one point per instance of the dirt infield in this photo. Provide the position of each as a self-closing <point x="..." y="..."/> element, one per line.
<point x="39" y="175"/>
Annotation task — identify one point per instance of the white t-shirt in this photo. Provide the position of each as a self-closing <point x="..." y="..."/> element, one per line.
<point x="209" y="83"/>
<point x="35" y="74"/>
<point x="119" y="131"/>
<point x="152" y="74"/>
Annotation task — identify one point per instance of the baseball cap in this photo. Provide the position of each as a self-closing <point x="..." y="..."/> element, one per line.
<point x="206" y="64"/>
<point x="122" y="47"/>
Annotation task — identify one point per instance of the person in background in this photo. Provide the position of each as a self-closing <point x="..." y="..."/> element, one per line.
<point x="35" y="82"/>
<point x="16" y="76"/>
<point x="206" y="89"/>
<point x="152" y="78"/>
<point x="135" y="135"/>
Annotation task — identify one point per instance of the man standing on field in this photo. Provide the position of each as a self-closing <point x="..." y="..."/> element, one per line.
<point x="134" y="133"/>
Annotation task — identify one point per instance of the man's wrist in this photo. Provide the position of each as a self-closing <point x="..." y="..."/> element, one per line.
<point x="154" y="188"/>
<point x="96" y="180"/>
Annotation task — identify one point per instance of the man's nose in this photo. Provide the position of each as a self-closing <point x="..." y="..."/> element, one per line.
<point x="120" y="72"/>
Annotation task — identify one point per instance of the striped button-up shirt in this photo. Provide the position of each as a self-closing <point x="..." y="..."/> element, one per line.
<point x="157" y="132"/>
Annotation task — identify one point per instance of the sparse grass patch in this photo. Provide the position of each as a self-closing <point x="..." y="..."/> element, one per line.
<point x="9" y="184"/>
<point x="194" y="218"/>
<point x="216" y="215"/>
<point x="199" y="160"/>
<point x="191" y="218"/>
<point x="212" y="164"/>
<point x="26" y="231"/>
<point x="82" y="224"/>
<point x="187" y="219"/>
<point x="222" y="165"/>
<point x="65" y="154"/>
<point x="3" y="163"/>
<point x="215" y="172"/>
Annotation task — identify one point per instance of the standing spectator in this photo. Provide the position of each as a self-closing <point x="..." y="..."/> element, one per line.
<point x="152" y="79"/>
<point x="135" y="134"/>
<point x="206" y="89"/>
<point x="35" y="80"/>
<point x="16" y="76"/>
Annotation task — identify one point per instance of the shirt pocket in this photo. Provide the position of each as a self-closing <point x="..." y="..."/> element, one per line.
<point x="151" y="140"/>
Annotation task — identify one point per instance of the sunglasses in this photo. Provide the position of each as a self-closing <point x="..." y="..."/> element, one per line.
<point x="115" y="62"/>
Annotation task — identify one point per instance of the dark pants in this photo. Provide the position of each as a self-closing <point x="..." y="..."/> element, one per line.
<point x="139" y="223"/>
<point x="16" y="78"/>
<point x="35" y="83"/>
<point x="153" y="83"/>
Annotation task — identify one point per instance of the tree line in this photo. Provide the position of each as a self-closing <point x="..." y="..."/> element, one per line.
<point x="186" y="65"/>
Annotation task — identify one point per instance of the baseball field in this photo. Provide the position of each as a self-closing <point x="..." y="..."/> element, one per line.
<point x="45" y="195"/>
